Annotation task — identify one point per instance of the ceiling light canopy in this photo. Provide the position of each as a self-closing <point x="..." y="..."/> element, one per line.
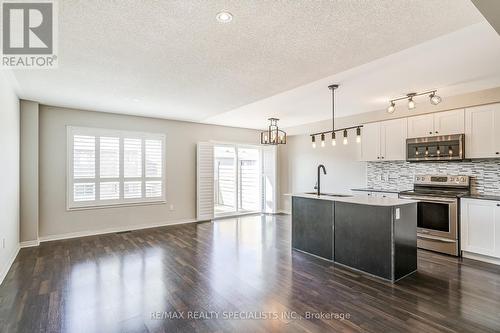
<point x="344" y="130"/>
<point x="224" y="17"/>
<point x="433" y="98"/>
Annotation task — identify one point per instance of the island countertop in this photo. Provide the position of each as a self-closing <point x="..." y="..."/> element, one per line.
<point x="357" y="199"/>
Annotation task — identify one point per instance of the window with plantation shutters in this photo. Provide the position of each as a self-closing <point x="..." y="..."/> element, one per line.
<point x="109" y="167"/>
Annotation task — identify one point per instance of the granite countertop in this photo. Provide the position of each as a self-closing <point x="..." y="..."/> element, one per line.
<point x="482" y="197"/>
<point x="358" y="199"/>
<point x="367" y="189"/>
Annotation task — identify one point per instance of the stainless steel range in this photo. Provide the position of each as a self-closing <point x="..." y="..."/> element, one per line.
<point x="438" y="211"/>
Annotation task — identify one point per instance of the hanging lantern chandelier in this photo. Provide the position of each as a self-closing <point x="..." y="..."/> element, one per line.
<point x="343" y="130"/>
<point x="273" y="135"/>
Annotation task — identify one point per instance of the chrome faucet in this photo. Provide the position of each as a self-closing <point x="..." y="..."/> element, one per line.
<point x="318" y="181"/>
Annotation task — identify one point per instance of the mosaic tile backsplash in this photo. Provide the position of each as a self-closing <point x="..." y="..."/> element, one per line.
<point x="485" y="174"/>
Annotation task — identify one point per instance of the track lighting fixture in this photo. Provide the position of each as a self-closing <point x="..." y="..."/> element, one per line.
<point x="333" y="131"/>
<point x="433" y="98"/>
<point x="391" y="107"/>
<point x="411" y="103"/>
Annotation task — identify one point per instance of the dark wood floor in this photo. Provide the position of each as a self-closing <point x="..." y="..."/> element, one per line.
<point x="132" y="282"/>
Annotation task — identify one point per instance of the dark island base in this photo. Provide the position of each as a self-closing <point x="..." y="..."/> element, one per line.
<point x="377" y="240"/>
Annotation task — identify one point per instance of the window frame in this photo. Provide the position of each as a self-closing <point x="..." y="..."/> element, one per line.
<point x="71" y="131"/>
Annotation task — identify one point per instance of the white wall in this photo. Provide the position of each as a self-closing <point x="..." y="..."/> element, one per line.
<point x="55" y="221"/>
<point x="298" y="163"/>
<point x="9" y="174"/>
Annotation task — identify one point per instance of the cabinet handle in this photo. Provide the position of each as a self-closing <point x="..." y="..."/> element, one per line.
<point x="378" y="157"/>
<point x="430" y="132"/>
<point x="498" y="153"/>
<point x="382" y="157"/>
<point x="437" y="132"/>
<point x="498" y="205"/>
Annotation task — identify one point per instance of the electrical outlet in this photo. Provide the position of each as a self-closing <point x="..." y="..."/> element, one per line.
<point x="171" y="207"/>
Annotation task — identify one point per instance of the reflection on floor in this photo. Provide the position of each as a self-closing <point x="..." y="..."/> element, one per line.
<point x="233" y="275"/>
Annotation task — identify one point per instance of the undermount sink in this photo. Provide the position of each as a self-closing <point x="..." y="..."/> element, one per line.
<point x="331" y="194"/>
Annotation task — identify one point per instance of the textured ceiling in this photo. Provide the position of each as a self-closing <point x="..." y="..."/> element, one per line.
<point x="460" y="62"/>
<point x="172" y="59"/>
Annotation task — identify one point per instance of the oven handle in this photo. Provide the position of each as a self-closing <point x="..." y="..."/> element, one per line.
<point x="439" y="239"/>
<point x="427" y="199"/>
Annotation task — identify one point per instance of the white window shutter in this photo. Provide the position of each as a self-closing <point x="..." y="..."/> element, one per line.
<point x="204" y="181"/>
<point x="269" y="180"/>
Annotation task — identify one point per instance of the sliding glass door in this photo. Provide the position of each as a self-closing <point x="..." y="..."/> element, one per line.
<point x="237" y="179"/>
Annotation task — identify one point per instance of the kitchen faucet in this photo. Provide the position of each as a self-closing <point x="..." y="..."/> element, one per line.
<point x="318" y="181"/>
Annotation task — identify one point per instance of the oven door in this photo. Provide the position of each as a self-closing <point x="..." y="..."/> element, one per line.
<point x="436" y="216"/>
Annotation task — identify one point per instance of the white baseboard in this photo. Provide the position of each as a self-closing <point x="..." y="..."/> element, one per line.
<point x="31" y="243"/>
<point x="113" y="230"/>
<point x="480" y="257"/>
<point x="5" y="270"/>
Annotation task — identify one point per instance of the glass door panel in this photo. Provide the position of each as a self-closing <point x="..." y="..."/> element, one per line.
<point x="249" y="180"/>
<point x="225" y="186"/>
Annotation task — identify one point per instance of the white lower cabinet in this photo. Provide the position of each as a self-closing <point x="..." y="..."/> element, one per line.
<point x="480" y="227"/>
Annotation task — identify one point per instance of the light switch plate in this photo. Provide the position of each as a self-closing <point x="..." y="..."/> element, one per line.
<point x="398" y="213"/>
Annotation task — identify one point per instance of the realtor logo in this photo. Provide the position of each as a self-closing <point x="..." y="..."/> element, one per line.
<point x="29" y="34"/>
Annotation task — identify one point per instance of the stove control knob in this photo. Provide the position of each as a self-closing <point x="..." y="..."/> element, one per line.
<point x="452" y="179"/>
<point x="462" y="179"/>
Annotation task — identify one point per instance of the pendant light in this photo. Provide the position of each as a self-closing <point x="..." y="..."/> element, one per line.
<point x="344" y="130"/>
<point x="273" y="135"/>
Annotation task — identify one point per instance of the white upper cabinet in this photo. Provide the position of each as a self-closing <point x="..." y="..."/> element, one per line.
<point x="449" y="122"/>
<point x="393" y="139"/>
<point x="440" y="123"/>
<point x="482" y="131"/>
<point x="384" y="141"/>
<point x="420" y="126"/>
<point x="370" y="142"/>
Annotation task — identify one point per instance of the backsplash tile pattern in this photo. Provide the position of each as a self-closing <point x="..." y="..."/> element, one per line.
<point x="485" y="174"/>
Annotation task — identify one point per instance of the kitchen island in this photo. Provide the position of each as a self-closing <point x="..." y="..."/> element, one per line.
<point x="374" y="235"/>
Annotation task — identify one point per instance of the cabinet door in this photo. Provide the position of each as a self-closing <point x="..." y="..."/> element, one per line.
<point x="480" y="223"/>
<point x="449" y="122"/>
<point x="393" y="140"/>
<point x="421" y="126"/>
<point x="370" y="142"/>
<point x="481" y="125"/>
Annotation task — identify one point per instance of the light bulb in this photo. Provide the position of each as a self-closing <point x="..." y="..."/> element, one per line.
<point x="358" y="135"/>
<point x="416" y="151"/>
<point x="334" y="140"/>
<point x="411" y="104"/>
<point x="344" y="141"/>
<point x="314" y="145"/>
<point x="435" y="99"/>
<point x="322" y="139"/>
<point x="391" y="107"/>
<point x="313" y="138"/>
